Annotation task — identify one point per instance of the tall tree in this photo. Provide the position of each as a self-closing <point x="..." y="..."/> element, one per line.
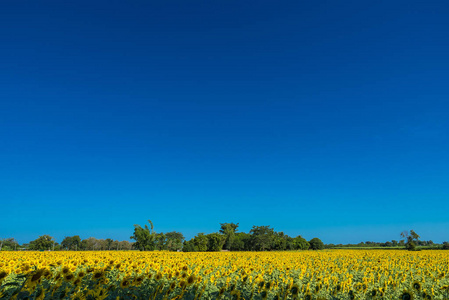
<point x="43" y="242"/>
<point x="228" y="230"/>
<point x="71" y="242"/>
<point x="174" y="240"/>
<point x="262" y="238"/>
<point x="144" y="237"/>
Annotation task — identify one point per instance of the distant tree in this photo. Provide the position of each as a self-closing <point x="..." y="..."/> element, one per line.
<point x="43" y="242"/>
<point x="201" y="242"/>
<point x="301" y="243"/>
<point x="189" y="246"/>
<point x="160" y="241"/>
<point x="446" y="245"/>
<point x="228" y="230"/>
<point x="215" y="241"/>
<point x="242" y="242"/>
<point x="144" y="237"/>
<point x="8" y="244"/>
<point x="71" y="242"/>
<point x="410" y="239"/>
<point x="316" y="244"/>
<point x="280" y="241"/>
<point x="262" y="237"/>
<point x="174" y="240"/>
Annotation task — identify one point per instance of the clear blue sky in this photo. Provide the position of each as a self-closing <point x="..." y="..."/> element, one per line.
<point x="319" y="118"/>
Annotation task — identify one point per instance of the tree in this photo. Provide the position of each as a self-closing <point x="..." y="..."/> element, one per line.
<point x="215" y="241"/>
<point x="8" y="244"/>
<point x="262" y="237"/>
<point x="43" y="242"/>
<point x="242" y="242"/>
<point x="174" y="240"/>
<point x="300" y="243"/>
<point x="316" y="244"/>
<point x="71" y="242"/>
<point x="410" y="239"/>
<point x="144" y="237"/>
<point x="228" y="230"/>
<point x="201" y="242"/>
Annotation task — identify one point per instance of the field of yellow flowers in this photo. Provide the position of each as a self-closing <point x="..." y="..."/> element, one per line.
<point x="336" y="274"/>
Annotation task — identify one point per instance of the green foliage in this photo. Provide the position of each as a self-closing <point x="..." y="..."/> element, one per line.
<point x="43" y="242"/>
<point x="201" y="242"/>
<point x="71" y="242"/>
<point x="262" y="238"/>
<point x="316" y="244"/>
<point x="411" y="239"/>
<point x="242" y="242"/>
<point x="228" y="230"/>
<point x="144" y="237"/>
<point x="215" y="241"/>
<point x="300" y="243"/>
<point x="174" y="241"/>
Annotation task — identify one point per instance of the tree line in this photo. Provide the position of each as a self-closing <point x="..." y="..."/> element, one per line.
<point x="227" y="238"/>
<point x="260" y="238"/>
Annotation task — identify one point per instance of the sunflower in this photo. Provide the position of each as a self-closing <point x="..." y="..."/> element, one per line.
<point x="307" y="296"/>
<point x="65" y="270"/>
<point x="406" y="295"/>
<point x="98" y="275"/>
<point x="172" y="286"/>
<point x="3" y="275"/>
<point x="138" y="280"/>
<point x="268" y="285"/>
<point x="294" y="290"/>
<point x="191" y="279"/>
<point x="158" y="276"/>
<point x="69" y="277"/>
<point x="81" y="274"/>
<point x="125" y="283"/>
<point x="36" y="276"/>
<point x="264" y="295"/>
<point x="416" y="286"/>
<point x="182" y="284"/>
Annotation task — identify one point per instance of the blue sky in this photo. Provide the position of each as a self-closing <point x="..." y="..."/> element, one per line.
<point x="319" y="118"/>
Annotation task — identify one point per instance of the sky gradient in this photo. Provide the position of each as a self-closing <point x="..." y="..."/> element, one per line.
<point x="318" y="118"/>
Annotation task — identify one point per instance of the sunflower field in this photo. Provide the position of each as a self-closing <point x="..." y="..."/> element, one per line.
<point x="334" y="274"/>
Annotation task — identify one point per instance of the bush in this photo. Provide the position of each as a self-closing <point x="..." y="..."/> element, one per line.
<point x="316" y="244"/>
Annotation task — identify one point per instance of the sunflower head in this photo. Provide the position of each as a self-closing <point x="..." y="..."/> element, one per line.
<point x="191" y="279"/>
<point x="3" y="275"/>
<point x="65" y="270"/>
<point x="37" y="275"/>
<point x="69" y="277"/>
<point x="182" y="284"/>
<point x="98" y="275"/>
<point x="416" y="286"/>
<point x="264" y="294"/>
<point x="294" y="290"/>
<point x="125" y="282"/>
<point x="406" y="295"/>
